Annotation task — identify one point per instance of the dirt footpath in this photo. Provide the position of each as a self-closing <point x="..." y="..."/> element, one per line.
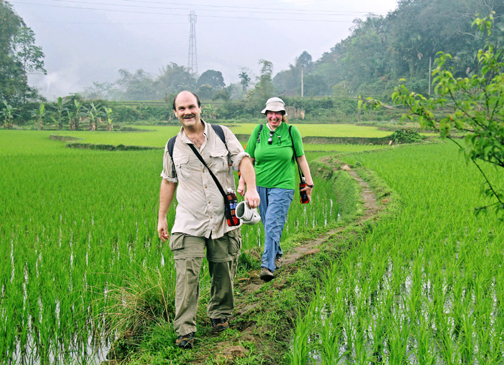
<point x="267" y="345"/>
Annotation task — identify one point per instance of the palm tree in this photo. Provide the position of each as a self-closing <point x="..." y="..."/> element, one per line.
<point x="244" y="81"/>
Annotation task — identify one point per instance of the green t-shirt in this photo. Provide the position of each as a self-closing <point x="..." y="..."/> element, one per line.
<point x="274" y="163"/>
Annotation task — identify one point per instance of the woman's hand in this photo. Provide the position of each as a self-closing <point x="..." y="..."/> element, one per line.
<point x="308" y="190"/>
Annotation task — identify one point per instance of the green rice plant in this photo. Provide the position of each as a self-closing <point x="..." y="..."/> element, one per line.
<point x="423" y="343"/>
<point x="331" y="332"/>
<point x="358" y="333"/>
<point x="424" y="284"/>
<point x="398" y="339"/>
<point x="300" y="349"/>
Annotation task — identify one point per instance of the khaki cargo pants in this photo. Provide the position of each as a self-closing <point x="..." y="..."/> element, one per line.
<point x="222" y="255"/>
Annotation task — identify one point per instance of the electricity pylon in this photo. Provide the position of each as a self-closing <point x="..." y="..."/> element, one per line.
<point x="192" y="63"/>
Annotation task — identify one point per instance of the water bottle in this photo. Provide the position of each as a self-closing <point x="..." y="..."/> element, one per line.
<point x="232" y="202"/>
<point x="303" y="197"/>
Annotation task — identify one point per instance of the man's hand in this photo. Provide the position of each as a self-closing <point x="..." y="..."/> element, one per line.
<point x="241" y="186"/>
<point x="248" y="178"/>
<point x="163" y="230"/>
<point x="165" y="198"/>
<point x="252" y="197"/>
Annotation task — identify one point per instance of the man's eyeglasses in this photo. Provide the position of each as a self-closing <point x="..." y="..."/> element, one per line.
<point x="270" y="139"/>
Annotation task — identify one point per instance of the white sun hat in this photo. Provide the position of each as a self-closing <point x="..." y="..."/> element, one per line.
<point x="246" y="214"/>
<point x="275" y="105"/>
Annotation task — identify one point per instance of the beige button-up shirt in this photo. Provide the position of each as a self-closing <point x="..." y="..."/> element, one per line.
<point x="200" y="208"/>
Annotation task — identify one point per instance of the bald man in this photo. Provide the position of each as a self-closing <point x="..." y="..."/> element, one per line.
<point x="200" y="228"/>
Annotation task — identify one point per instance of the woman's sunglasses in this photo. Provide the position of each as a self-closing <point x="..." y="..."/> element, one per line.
<point x="270" y="139"/>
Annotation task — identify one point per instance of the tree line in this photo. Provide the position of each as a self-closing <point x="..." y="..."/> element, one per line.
<point x="404" y="43"/>
<point x="379" y="51"/>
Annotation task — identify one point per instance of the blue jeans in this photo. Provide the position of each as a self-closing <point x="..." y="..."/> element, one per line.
<point x="275" y="203"/>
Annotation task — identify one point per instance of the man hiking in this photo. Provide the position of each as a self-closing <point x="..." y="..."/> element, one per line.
<point x="201" y="219"/>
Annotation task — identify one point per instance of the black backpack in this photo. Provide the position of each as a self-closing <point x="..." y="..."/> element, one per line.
<point x="171" y="144"/>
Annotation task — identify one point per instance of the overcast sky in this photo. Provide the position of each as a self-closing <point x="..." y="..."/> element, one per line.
<point x="90" y="40"/>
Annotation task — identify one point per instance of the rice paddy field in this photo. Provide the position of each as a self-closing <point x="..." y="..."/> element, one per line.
<point x="155" y="136"/>
<point x="422" y="287"/>
<point x="78" y="225"/>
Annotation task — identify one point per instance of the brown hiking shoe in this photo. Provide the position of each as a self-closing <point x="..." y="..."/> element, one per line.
<point x="266" y="275"/>
<point x="186" y="341"/>
<point x="219" y="324"/>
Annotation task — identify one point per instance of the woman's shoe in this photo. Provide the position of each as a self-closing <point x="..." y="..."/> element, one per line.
<point x="266" y="275"/>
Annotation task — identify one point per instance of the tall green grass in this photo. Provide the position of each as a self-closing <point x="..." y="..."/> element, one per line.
<point x="423" y="287"/>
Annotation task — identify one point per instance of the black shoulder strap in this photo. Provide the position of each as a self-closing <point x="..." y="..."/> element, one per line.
<point x="259" y="134"/>
<point x="171" y="143"/>
<point x="220" y="132"/>
<point x="295" y="155"/>
<point x="292" y="140"/>
<point x="218" y="129"/>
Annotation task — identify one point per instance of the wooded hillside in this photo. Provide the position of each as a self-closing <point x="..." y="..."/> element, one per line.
<point x="383" y="49"/>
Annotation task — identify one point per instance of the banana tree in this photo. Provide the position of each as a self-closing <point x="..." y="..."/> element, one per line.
<point x="39" y="116"/>
<point x="210" y="111"/>
<point x="74" y="122"/>
<point x="8" y="114"/>
<point x="93" y="114"/>
<point x="70" y="117"/>
<point x="109" y="114"/>
<point x="60" y="107"/>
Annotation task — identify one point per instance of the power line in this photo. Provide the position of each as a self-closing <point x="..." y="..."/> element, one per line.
<point x="171" y="13"/>
<point x="186" y="6"/>
<point x="317" y="12"/>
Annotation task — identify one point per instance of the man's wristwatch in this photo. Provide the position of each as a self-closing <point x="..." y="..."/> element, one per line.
<point x="310" y="186"/>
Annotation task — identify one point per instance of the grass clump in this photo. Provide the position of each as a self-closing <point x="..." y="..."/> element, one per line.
<point x="141" y="314"/>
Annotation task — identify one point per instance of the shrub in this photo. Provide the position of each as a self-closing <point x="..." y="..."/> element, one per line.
<point x="406" y="136"/>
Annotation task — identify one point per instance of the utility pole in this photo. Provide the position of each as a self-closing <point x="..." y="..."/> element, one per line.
<point x="192" y="62"/>
<point x="302" y="83"/>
